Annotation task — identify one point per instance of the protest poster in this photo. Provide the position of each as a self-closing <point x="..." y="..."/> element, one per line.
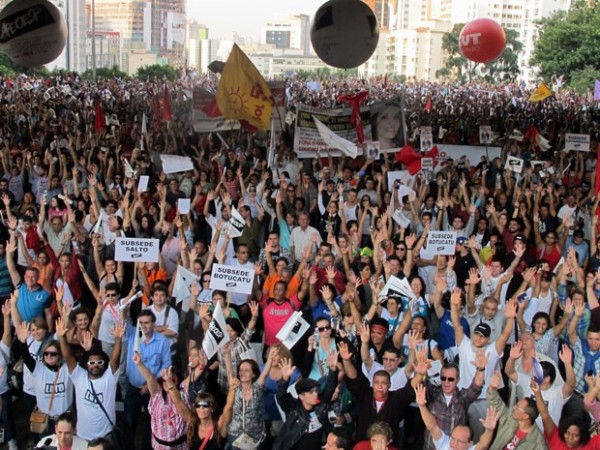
<point x="372" y="150"/>
<point x="426" y="135"/>
<point x="136" y="249"/>
<point x="216" y="336"/>
<point x="401" y="219"/>
<point x="184" y="278"/>
<point x="143" y="183"/>
<point x="399" y="286"/>
<point x="236" y="223"/>
<point x="577" y="142"/>
<point x="441" y="242"/>
<point x="203" y="122"/>
<point x="427" y="164"/>
<point x="232" y="279"/>
<point x="388" y="125"/>
<point x="485" y="134"/>
<point x="183" y="205"/>
<point x="293" y="330"/>
<point x="307" y="139"/>
<point x="514" y="164"/>
<point x="334" y="141"/>
<point x="175" y="164"/>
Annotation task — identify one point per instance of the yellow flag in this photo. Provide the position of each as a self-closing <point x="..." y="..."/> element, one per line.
<point x="243" y="93"/>
<point x="540" y="93"/>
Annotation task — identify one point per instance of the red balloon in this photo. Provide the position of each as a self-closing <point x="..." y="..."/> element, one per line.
<point x="482" y="40"/>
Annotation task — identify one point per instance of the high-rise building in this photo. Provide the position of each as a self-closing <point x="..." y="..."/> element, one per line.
<point x="158" y="26"/>
<point x="199" y="47"/>
<point x="288" y="32"/>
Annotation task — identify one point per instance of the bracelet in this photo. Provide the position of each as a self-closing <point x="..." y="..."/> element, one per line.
<point x="409" y="249"/>
<point x="480" y="369"/>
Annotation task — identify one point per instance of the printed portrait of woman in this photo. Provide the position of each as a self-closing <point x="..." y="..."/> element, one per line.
<point x="388" y="124"/>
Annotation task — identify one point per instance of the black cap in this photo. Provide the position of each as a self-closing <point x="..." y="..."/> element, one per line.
<point x="305" y="385"/>
<point x="483" y="329"/>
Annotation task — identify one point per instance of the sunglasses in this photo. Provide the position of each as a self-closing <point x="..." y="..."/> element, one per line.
<point x="50" y="353"/>
<point x="450" y="379"/>
<point x="111" y="295"/>
<point x="99" y="363"/>
<point x="323" y="328"/>
<point x="206" y="281"/>
<point x="203" y="405"/>
<point x="400" y="248"/>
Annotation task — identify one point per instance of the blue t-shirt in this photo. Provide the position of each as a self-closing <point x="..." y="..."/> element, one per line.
<point x="270" y="409"/>
<point x="322" y="310"/>
<point x="445" y="334"/>
<point x="31" y="304"/>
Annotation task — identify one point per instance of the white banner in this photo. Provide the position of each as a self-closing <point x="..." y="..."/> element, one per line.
<point x="175" y="164"/>
<point x="136" y="249"/>
<point x="181" y="288"/>
<point x="334" y="141"/>
<point x="236" y="223"/>
<point x="293" y="330"/>
<point x="577" y="142"/>
<point x="216" y="336"/>
<point x="441" y="242"/>
<point x="232" y="279"/>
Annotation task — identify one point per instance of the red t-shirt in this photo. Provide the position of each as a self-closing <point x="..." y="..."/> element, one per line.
<point x="516" y="440"/>
<point x="275" y="316"/>
<point x="556" y="442"/>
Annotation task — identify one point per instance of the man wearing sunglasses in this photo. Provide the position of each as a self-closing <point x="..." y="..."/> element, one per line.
<point x="95" y="386"/>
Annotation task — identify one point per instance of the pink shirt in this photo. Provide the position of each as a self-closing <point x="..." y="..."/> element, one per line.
<point x="275" y="316"/>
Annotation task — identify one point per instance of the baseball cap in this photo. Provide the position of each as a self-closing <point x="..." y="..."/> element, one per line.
<point x="305" y="385"/>
<point x="483" y="329"/>
<point x="461" y="240"/>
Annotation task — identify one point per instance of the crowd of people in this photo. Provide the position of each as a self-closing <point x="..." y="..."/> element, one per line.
<point x="495" y="345"/>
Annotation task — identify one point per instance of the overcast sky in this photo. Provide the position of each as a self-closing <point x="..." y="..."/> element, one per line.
<point x="246" y="17"/>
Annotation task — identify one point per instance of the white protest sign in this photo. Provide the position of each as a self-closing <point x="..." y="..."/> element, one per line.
<point x="143" y="183"/>
<point x="577" y="142"/>
<point x="236" y="223"/>
<point x="372" y="150"/>
<point x="333" y="140"/>
<point x="427" y="164"/>
<point x="403" y="176"/>
<point x="181" y="288"/>
<point x="441" y="242"/>
<point x="401" y="286"/>
<point x="232" y="279"/>
<point x="401" y="219"/>
<point x="426" y="134"/>
<point x="216" y="336"/>
<point x="485" y="134"/>
<point x="514" y="164"/>
<point x="183" y="205"/>
<point x="136" y="249"/>
<point x="405" y="191"/>
<point x="293" y="330"/>
<point x="174" y="164"/>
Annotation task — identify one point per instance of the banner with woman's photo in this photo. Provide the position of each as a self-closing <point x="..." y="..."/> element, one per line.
<point x="382" y="122"/>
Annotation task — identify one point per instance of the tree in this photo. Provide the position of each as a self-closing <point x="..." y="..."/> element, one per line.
<point x="104" y="73"/>
<point x="503" y="68"/>
<point x="568" y="41"/>
<point x="583" y="80"/>
<point x="157" y="71"/>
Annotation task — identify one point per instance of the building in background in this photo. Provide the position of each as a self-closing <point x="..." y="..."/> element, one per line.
<point x="73" y="57"/>
<point x="288" y="32"/>
<point x="108" y="49"/>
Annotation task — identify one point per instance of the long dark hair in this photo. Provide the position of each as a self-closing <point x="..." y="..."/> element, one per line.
<point x="192" y="430"/>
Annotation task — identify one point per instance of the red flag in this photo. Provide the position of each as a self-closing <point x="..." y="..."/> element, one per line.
<point x="167" y="104"/>
<point x="99" y="121"/>
<point x="157" y="116"/>
<point x="212" y="109"/>
<point x="428" y="104"/>
<point x="597" y="184"/>
<point x="355" y="101"/>
<point x="412" y="159"/>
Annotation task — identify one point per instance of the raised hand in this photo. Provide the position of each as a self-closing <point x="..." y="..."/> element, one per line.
<point x="566" y="354"/>
<point x="491" y="419"/>
<point x="510" y="310"/>
<point x="345" y="352"/>
<point x="516" y="350"/>
<point x="119" y="330"/>
<point x="421" y="397"/>
<point x="456" y="298"/>
<point x="254" y="309"/>
<point x="61" y="327"/>
<point x="87" y="339"/>
<point x="481" y="359"/>
<point x="286" y="368"/>
<point x="332" y="360"/>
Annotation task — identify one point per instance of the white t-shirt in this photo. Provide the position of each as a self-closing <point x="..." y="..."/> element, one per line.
<point x="63" y="397"/>
<point x="398" y="379"/>
<point x="91" y="421"/>
<point x="110" y="316"/>
<point x="4" y="359"/>
<point x="171" y="322"/>
<point x="467" y="354"/>
<point x="28" y="380"/>
<point x="443" y="443"/>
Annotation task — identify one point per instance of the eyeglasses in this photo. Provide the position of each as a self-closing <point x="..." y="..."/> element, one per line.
<point x="53" y="354"/>
<point x="323" y="328"/>
<point x="458" y="441"/>
<point x="111" y="295"/>
<point x="206" y="280"/>
<point x="400" y="248"/>
<point x="99" y="363"/>
<point x="450" y="379"/>
<point x="348" y="315"/>
<point x="203" y="405"/>
<point x="389" y="359"/>
<point x="520" y="409"/>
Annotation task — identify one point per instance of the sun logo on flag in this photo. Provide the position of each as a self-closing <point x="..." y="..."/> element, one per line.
<point x="236" y="100"/>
